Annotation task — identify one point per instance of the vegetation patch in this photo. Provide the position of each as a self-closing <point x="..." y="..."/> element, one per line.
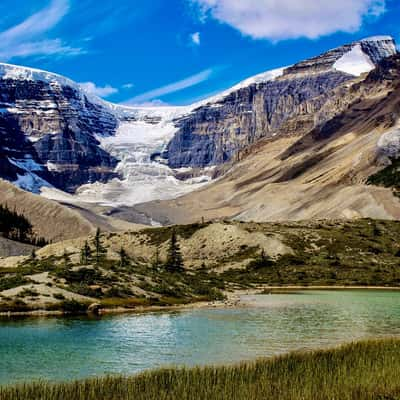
<point x="323" y="253"/>
<point x="388" y="176"/>
<point x="17" y="227"/>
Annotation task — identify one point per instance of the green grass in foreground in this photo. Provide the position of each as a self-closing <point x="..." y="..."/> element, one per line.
<point x="365" y="370"/>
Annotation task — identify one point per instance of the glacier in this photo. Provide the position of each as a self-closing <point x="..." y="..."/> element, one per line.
<point x="142" y="179"/>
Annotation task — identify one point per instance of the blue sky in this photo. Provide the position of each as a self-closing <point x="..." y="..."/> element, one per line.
<point x="179" y="51"/>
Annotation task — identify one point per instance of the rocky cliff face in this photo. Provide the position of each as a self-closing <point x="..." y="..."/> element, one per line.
<point x="289" y="103"/>
<point x="49" y="130"/>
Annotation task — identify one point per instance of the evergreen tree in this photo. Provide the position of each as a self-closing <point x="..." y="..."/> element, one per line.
<point x="156" y="259"/>
<point x="17" y="227"/>
<point x="99" y="250"/>
<point x="86" y="253"/>
<point x="262" y="261"/>
<point x="174" y="261"/>
<point x="65" y="257"/>
<point x="123" y="257"/>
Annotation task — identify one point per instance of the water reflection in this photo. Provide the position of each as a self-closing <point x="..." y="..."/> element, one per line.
<point x="65" y="348"/>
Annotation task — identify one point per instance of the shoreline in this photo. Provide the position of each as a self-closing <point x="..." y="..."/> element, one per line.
<point x="233" y="300"/>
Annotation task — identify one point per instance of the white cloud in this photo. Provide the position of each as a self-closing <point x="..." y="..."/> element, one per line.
<point x="26" y="38"/>
<point x="92" y="88"/>
<point x="195" y="38"/>
<point x="40" y="48"/>
<point x="289" y="19"/>
<point x="128" y="86"/>
<point x="173" y="87"/>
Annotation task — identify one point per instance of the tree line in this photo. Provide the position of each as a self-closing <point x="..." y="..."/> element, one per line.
<point x="15" y="226"/>
<point x="173" y="263"/>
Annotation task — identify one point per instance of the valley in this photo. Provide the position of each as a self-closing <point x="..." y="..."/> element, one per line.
<point x="259" y="221"/>
<point x="299" y="125"/>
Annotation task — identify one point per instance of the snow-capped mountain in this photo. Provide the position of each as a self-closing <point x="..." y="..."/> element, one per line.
<point x="54" y="135"/>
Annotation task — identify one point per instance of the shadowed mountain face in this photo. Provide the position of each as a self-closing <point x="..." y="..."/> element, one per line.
<point x="49" y="129"/>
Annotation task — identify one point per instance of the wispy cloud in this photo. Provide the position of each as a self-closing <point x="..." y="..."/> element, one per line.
<point x="28" y="37"/>
<point x="172" y="87"/>
<point x="128" y="86"/>
<point x="195" y="38"/>
<point x="100" y="91"/>
<point x="289" y="19"/>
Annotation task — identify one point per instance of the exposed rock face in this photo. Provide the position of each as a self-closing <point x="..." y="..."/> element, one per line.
<point x="55" y="125"/>
<point x="216" y="132"/>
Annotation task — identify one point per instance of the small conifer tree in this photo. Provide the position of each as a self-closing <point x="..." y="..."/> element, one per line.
<point x="174" y="261"/>
<point x="156" y="259"/>
<point x="99" y="250"/>
<point x="123" y="257"/>
<point x="86" y="253"/>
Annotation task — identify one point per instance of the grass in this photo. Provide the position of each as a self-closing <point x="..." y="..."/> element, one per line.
<point x="360" y="371"/>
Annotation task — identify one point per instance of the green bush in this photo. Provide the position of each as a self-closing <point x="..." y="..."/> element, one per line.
<point x="73" y="307"/>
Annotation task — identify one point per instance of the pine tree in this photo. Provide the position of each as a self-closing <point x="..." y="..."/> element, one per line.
<point x="262" y="261"/>
<point x="99" y="250"/>
<point x="86" y="253"/>
<point x="66" y="258"/>
<point x="156" y="259"/>
<point x="174" y="261"/>
<point x="123" y="257"/>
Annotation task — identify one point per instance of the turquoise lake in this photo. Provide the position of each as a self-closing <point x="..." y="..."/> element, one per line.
<point x="68" y="348"/>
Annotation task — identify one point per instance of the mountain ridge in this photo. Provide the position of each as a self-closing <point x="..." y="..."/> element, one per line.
<point x="116" y="155"/>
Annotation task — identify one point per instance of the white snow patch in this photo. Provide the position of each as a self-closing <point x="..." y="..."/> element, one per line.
<point x="355" y="62"/>
<point x="51" y="166"/>
<point x="378" y="38"/>
<point x="389" y="143"/>
<point x="9" y="71"/>
<point x="29" y="181"/>
<point x="257" y="79"/>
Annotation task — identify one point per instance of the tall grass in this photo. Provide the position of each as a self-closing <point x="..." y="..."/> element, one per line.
<point x="365" y="370"/>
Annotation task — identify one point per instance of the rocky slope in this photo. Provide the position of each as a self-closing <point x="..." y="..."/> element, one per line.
<point x="55" y="221"/>
<point x="316" y="173"/>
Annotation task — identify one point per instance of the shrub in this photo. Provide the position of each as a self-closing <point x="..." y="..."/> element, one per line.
<point x="73" y="307"/>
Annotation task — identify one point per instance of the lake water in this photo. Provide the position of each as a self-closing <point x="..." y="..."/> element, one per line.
<point x="66" y="348"/>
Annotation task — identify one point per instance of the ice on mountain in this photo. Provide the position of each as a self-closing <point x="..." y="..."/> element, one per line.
<point x="142" y="179"/>
<point x="355" y="62"/>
